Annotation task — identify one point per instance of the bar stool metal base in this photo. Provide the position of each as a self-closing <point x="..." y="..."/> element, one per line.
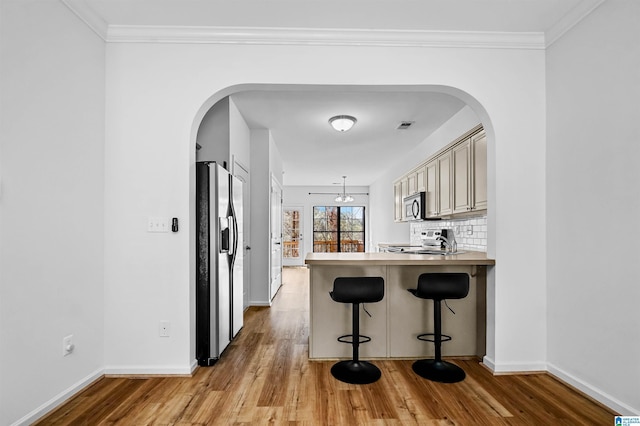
<point x="438" y="371"/>
<point x="355" y="372"/>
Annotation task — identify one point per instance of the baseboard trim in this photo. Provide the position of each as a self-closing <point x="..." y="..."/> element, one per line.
<point x="489" y="363"/>
<point x="59" y="399"/>
<point x="259" y="303"/>
<point x="146" y="371"/>
<point x="579" y="385"/>
<point x="592" y="392"/>
<point x="111" y="372"/>
<point x="516" y="368"/>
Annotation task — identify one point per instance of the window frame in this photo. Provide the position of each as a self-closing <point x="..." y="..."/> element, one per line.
<point x="338" y="231"/>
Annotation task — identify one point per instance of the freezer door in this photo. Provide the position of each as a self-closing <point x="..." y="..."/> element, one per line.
<point x="237" y="281"/>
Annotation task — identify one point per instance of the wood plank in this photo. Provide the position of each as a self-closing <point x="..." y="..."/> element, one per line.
<point x="265" y="376"/>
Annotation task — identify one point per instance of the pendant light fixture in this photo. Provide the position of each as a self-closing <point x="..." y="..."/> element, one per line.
<point x="344" y="197"/>
<point x="342" y="123"/>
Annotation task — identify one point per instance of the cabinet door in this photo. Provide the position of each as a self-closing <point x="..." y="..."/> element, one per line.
<point x="479" y="147"/>
<point x="397" y="198"/>
<point x="431" y="188"/>
<point x="421" y="179"/>
<point x="461" y="187"/>
<point x="444" y="184"/>
<point x="412" y="183"/>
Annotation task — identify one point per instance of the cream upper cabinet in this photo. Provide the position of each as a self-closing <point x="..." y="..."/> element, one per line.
<point x="454" y="180"/>
<point x="412" y="184"/>
<point x="431" y="188"/>
<point x="421" y="182"/>
<point x="461" y="161"/>
<point x="479" y="150"/>
<point x="470" y="174"/>
<point x="416" y="181"/>
<point x="397" y="198"/>
<point x="405" y="188"/>
<point x="444" y="184"/>
<point x="437" y="174"/>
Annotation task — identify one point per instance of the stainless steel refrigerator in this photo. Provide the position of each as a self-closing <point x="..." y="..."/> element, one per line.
<point x="219" y="281"/>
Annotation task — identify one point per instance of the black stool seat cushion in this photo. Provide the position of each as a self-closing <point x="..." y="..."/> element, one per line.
<point x="358" y="289"/>
<point x="442" y="285"/>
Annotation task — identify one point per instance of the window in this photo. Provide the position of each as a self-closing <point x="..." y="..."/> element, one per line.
<point x="338" y="229"/>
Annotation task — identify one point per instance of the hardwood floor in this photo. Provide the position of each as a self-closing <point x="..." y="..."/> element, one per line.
<point x="265" y="377"/>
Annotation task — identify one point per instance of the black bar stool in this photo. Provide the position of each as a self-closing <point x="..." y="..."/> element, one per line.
<point x="356" y="290"/>
<point x="438" y="287"/>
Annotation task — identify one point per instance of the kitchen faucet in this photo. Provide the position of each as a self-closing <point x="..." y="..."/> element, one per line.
<point x="451" y="247"/>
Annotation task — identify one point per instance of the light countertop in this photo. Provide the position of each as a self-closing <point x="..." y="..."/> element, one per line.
<point x="465" y="258"/>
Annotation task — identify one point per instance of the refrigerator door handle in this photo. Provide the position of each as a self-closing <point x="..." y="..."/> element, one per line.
<point x="224" y="235"/>
<point x="233" y="233"/>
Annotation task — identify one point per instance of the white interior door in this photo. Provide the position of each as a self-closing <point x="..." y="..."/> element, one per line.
<point x="292" y="239"/>
<point x="276" y="237"/>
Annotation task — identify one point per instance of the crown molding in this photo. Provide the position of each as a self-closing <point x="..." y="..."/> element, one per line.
<point x="329" y="37"/>
<point x="323" y="37"/>
<point x="88" y="16"/>
<point x="571" y="19"/>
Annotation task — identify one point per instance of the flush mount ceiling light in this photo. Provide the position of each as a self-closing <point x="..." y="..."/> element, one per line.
<point x="342" y="123"/>
<point x="344" y="197"/>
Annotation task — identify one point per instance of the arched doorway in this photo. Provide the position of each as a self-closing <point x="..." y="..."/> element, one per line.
<point x="243" y="91"/>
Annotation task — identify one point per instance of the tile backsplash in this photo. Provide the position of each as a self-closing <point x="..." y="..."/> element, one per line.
<point x="471" y="234"/>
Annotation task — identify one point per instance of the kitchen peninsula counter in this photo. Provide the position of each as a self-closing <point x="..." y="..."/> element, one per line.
<point x="399" y="317"/>
<point x="464" y="258"/>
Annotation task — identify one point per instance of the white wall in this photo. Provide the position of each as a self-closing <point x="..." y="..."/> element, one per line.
<point x="240" y="137"/>
<point x="265" y="163"/>
<point x="214" y="134"/>
<point x="259" y="216"/>
<point x="146" y="175"/>
<point x="299" y="196"/>
<point x="592" y="185"/>
<point x="506" y="91"/>
<point x="52" y="98"/>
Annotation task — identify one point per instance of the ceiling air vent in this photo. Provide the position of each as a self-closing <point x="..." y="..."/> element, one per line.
<point x="404" y="125"/>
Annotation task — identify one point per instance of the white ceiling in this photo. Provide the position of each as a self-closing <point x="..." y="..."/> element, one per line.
<point x="314" y="154"/>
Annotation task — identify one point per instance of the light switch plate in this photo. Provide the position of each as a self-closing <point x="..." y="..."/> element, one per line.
<point x="158" y="224"/>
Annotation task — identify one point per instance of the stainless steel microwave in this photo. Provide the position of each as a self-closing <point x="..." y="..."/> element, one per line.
<point x="415" y="207"/>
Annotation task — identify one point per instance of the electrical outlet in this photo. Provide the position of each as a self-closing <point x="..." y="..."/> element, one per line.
<point x="469" y="230"/>
<point x="67" y="345"/>
<point x="165" y="328"/>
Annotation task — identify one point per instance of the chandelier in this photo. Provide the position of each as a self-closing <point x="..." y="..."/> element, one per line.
<point x="344" y="197"/>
